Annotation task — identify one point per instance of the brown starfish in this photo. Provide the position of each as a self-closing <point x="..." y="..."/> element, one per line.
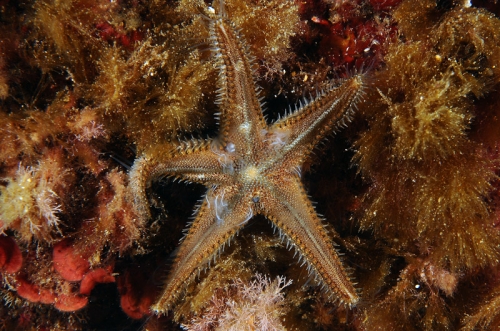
<point x="251" y="168"/>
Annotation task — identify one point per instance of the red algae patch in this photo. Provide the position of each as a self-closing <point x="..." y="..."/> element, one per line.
<point x="384" y="4"/>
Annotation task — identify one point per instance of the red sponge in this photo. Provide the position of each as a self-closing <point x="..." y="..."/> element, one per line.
<point x="68" y="263"/>
<point x="93" y="277"/>
<point x="11" y="258"/>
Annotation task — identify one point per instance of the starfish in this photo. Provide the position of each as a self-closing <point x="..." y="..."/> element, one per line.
<point x="250" y="168"/>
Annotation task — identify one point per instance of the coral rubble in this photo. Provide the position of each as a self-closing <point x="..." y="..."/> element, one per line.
<point x="410" y="189"/>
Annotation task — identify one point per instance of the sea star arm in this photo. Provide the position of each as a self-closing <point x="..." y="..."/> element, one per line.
<point x="291" y="211"/>
<point x="223" y="212"/>
<point x="195" y="161"/>
<point x="298" y="133"/>
<point x="242" y="123"/>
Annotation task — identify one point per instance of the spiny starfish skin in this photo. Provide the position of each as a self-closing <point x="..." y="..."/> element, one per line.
<point x="251" y="168"/>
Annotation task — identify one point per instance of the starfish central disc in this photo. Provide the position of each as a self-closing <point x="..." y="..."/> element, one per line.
<point x="250" y="174"/>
